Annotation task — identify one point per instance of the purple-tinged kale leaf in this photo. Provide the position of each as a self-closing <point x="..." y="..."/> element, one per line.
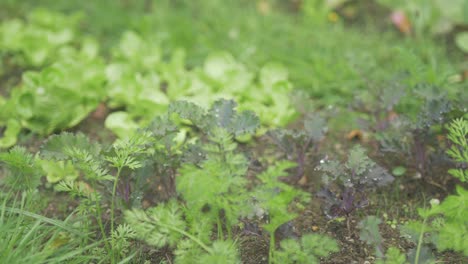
<point x="297" y="144"/>
<point x="352" y="180"/>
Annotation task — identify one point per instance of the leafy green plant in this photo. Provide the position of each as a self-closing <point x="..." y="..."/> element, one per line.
<point x="57" y="97"/>
<point x="378" y="104"/>
<point x="23" y="171"/>
<point x="458" y="134"/>
<point x="297" y="144"/>
<point x="35" y="42"/>
<point x="449" y="228"/>
<point x="369" y="232"/>
<point x="213" y="187"/>
<point x="98" y="183"/>
<point x="274" y="198"/>
<point x="217" y="184"/>
<point x="308" y="249"/>
<point x="352" y="179"/>
<point x="445" y="223"/>
<point x="153" y="83"/>
<point x="393" y="256"/>
<point x="416" y="137"/>
<point x="164" y="225"/>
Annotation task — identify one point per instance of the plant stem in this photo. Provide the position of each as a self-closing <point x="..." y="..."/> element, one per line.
<point x="101" y="226"/>
<point x="114" y="190"/>
<point x="272" y="248"/>
<point x="421" y="237"/>
<point x="99" y="218"/>
<point x="196" y="240"/>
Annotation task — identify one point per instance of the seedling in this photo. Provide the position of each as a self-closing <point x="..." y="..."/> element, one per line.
<point x="352" y="180"/>
<point x="297" y="144"/>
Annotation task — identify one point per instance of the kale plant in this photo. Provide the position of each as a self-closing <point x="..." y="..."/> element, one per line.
<point x="378" y="103"/>
<point x="297" y="144"/>
<point x="351" y="181"/>
<point x="416" y="136"/>
<point x="213" y="187"/>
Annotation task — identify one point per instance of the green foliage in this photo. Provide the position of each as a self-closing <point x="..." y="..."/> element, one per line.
<point x="140" y="71"/>
<point x="416" y="135"/>
<point x="186" y="230"/>
<point x="370" y="233"/>
<point x="393" y="256"/>
<point x="153" y="84"/>
<point x="35" y="42"/>
<point x="222" y="114"/>
<point x="218" y="183"/>
<point x="458" y="134"/>
<point x="121" y="236"/>
<point x="434" y="16"/>
<point x="85" y="155"/>
<point x="27" y="236"/>
<point x="9" y="138"/>
<point x="96" y="164"/>
<point x="221" y="252"/>
<point x="211" y="181"/>
<point x="358" y="170"/>
<point x="462" y="41"/>
<point x="58" y="96"/>
<point x="159" y="226"/>
<point x="275" y="198"/>
<point x="309" y="249"/>
<point x="213" y="185"/>
<point x="450" y="232"/>
<point x="444" y="225"/>
<point x="58" y="170"/>
<point x="447" y="221"/>
<point x="23" y="171"/>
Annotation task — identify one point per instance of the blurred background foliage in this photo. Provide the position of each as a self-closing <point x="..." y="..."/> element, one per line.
<point x="332" y="48"/>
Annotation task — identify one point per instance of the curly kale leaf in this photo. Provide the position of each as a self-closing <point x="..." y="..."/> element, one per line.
<point x="222" y="114"/>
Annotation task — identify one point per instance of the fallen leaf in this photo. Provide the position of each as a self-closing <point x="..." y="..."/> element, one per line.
<point x="355" y="134"/>
<point x="303" y="181"/>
